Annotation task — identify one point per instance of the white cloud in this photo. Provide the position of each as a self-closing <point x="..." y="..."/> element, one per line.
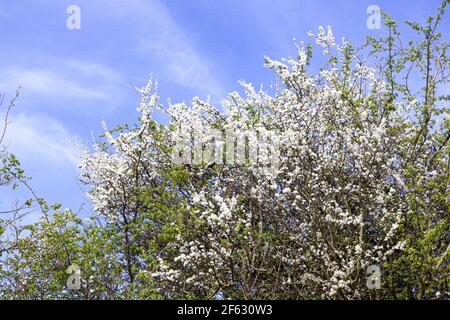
<point x="48" y="153"/>
<point x="66" y="82"/>
<point x="49" y="82"/>
<point x="161" y="38"/>
<point x="185" y="67"/>
<point x="94" y="69"/>
<point x="42" y="139"/>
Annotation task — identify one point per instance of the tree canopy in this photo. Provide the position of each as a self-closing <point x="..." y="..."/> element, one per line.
<point x="347" y="198"/>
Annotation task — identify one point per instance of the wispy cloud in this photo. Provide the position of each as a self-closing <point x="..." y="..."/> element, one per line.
<point x="161" y="38"/>
<point x="42" y="139"/>
<point x="50" y="154"/>
<point x="65" y="82"/>
<point x="49" y="82"/>
<point x="94" y="69"/>
<point x="184" y="66"/>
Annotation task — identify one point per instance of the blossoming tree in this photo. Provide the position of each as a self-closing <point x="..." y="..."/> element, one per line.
<point x="355" y="180"/>
<point x="362" y="179"/>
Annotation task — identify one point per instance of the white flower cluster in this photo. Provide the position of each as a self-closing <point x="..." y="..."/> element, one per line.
<point x="126" y="162"/>
<point x="329" y="210"/>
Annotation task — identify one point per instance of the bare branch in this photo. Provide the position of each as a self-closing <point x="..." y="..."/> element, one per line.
<point x="8" y="111"/>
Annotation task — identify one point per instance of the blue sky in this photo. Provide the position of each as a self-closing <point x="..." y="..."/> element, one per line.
<point x="73" y="79"/>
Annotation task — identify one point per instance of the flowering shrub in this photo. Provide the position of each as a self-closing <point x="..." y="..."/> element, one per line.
<point x="363" y="168"/>
<point x="360" y="183"/>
